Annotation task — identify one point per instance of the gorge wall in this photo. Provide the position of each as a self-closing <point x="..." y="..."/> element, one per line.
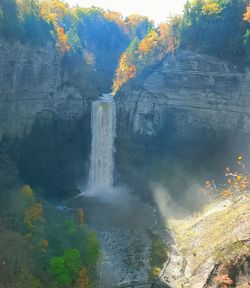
<point x="37" y="81"/>
<point x="190" y="106"/>
<point x="45" y="102"/>
<point x="196" y="91"/>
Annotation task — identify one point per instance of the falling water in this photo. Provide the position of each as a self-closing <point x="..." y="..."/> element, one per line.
<point x="103" y="119"/>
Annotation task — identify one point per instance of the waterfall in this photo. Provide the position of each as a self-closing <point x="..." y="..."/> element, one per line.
<point x="103" y="120"/>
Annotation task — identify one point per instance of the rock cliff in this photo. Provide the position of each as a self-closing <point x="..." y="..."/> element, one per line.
<point x="187" y="100"/>
<point x="219" y="254"/>
<point x="187" y="92"/>
<point x="33" y="83"/>
<point x="190" y="108"/>
<point x="45" y="101"/>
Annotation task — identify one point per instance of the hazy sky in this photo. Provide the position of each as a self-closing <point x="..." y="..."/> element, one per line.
<point x="157" y="10"/>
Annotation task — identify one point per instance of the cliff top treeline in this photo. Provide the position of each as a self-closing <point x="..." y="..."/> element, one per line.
<point x="95" y="35"/>
<point x="106" y="39"/>
<point x="220" y="28"/>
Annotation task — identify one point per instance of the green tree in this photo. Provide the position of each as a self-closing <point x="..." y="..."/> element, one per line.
<point x="66" y="268"/>
<point x="72" y="262"/>
<point x="215" y="27"/>
<point x="92" y="249"/>
<point x="59" y="271"/>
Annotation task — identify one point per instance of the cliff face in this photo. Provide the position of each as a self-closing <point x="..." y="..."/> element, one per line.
<point x="45" y="106"/>
<point x="45" y="101"/>
<point x="33" y="84"/>
<point x="220" y="237"/>
<point x="186" y="93"/>
<point x="190" y="114"/>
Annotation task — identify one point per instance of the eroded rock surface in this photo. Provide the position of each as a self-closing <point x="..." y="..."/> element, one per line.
<point x="187" y="91"/>
<point x="33" y="85"/>
<point x="187" y="116"/>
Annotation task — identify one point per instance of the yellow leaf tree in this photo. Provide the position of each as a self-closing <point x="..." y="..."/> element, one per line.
<point x="211" y="7"/>
<point x="246" y="16"/>
<point x="53" y="11"/>
<point x="149" y="43"/>
<point x="126" y="70"/>
<point x="115" y="17"/>
<point x="83" y="280"/>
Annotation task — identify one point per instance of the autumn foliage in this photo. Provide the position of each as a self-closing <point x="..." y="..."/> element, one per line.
<point x="237" y="182"/>
<point x="149" y="42"/>
<point x="150" y="50"/>
<point x="78" y="248"/>
<point x="211" y="7"/>
<point x="33" y="214"/>
<point x="28" y="192"/>
<point x="224" y="281"/>
<point x="246" y="16"/>
<point x="80" y="216"/>
<point x="54" y="11"/>
<point x="126" y="71"/>
<point x="83" y="279"/>
<point x="62" y="41"/>
<point x="116" y="17"/>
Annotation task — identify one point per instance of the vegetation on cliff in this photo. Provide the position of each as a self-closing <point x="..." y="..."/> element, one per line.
<point x="216" y="242"/>
<point x="96" y="35"/>
<point x="220" y="28"/>
<point x="41" y="246"/>
<point x="217" y="27"/>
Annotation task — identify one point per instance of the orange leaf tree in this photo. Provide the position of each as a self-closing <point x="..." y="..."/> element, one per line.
<point x="237" y="182"/>
<point x="246" y="16"/>
<point x="54" y="11"/>
<point x="80" y="216"/>
<point x="83" y="279"/>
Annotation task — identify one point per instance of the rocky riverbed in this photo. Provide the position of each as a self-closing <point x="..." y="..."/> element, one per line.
<point x="124" y="227"/>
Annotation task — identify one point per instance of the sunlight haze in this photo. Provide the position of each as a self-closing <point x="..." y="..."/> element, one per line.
<point x="157" y="10"/>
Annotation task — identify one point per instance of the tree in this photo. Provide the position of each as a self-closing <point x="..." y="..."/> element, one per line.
<point x="34" y="214"/>
<point x="72" y="261"/>
<point x="246" y="16"/>
<point x="66" y="268"/>
<point x="126" y="70"/>
<point x="80" y="216"/>
<point x="237" y="182"/>
<point x="91" y="250"/>
<point x="83" y="279"/>
<point x="127" y="66"/>
<point x="28" y="192"/>
<point x="215" y="27"/>
<point x="115" y="17"/>
<point x="59" y="271"/>
<point x="138" y="25"/>
<point x="149" y="42"/>
<point x="211" y="7"/>
<point x="62" y="41"/>
<point x="54" y="11"/>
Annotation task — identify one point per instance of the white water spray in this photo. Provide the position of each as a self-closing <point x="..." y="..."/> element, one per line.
<point x="103" y="120"/>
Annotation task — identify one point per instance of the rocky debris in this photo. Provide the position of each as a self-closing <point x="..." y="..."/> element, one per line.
<point x="214" y="245"/>
<point x="124" y="238"/>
